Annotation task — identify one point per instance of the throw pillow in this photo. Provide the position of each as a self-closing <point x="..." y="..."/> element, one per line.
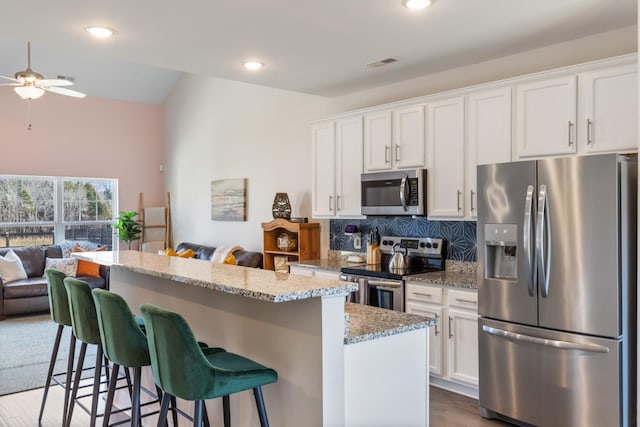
<point x="11" y="268"/>
<point x="88" y="268"/>
<point x="68" y="266"/>
<point x="230" y="259"/>
<point x="170" y="252"/>
<point x="186" y="253"/>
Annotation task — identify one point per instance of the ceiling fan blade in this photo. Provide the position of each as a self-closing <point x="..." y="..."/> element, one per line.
<point x="63" y="91"/>
<point x="55" y="82"/>
<point x="10" y="78"/>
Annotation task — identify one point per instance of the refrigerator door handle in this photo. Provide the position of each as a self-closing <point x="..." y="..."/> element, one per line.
<point x="560" y="345"/>
<point x="526" y="240"/>
<point x="543" y="241"/>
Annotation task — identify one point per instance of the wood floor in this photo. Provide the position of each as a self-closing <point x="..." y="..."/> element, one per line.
<point x="21" y="410"/>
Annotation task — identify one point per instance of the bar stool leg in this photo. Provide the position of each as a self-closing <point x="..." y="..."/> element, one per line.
<point x="76" y="382"/>
<point x="135" y="402"/>
<point x="96" y="386"/>
<point x="110" y="394"/>
<point x="205" y="415"/>
<point x="164" y="408"/>
<point x="52" y="364"/>
<point x="68" y="379"/>
<point x="226" y="411"/>
<point x="174" y="410"/>
<point x="262" y="412"/>
<point x="197" y="413"/>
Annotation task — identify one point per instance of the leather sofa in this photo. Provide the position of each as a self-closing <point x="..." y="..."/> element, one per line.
<point x="243" y="258"/>
<point x="30" y="295"/>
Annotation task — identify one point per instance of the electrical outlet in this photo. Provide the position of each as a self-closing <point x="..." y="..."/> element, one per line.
<point x="357" y="242"/>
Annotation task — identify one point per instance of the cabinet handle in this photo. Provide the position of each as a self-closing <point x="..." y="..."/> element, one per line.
<point x="422" y="295"/>
<point x="338" y="202"/>
<point x="386" y="153"/>
<point x="437" y="317"/>
<point x="450" y="334"/>
<point x="468" y="301"/>
<point x="458" y="201"/>
<point x="570" y="127"/>
<point x="397" y="153"/>
<point x="473" y="193"/>
<point x="330" y="201"/>
<point x="589" y="126"/>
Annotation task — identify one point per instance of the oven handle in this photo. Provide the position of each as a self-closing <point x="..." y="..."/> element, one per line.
<point x="377" y="283"/>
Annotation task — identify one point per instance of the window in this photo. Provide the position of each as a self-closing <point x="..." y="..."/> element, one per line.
<point x="46" y="210"/>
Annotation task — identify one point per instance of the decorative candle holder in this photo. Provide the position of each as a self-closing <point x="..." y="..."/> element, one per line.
<point x="281" y="206"/>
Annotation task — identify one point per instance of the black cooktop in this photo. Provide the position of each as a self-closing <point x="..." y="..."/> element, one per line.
<point x="417" y="265"/>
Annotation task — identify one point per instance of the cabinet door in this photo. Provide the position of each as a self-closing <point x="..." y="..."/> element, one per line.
<point x="435" y="333"/>
<point x="546" y="118"/>
<point x="324" y="274"/>
<point x="323" y="190"/>
<point x="609" y="110"/>
<point x="348" y="166"/>
<point x="488" y="137"/>
<point x="408" y="137"/>
<point x="377" y="141"/>
<point x="445" y="158"/>
<point x="462" y="364"/>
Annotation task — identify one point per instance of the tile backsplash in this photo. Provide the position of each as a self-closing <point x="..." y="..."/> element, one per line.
<point x="460" y="235"/>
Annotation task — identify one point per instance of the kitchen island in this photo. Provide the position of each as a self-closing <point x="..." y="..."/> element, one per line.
<point x="363" y="368"/>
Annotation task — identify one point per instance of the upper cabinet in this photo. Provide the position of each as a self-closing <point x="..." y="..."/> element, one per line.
<point x="588" y="112"/>
<point x="337" y="165"/>
<point x="394" y="139"/>
<point x="608" y="110"/>
<point x="488" y="137"/>
<point x="445" y="154"/>
<point x="546" y="117"/>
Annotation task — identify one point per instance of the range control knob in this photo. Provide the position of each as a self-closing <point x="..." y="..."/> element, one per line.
<point x="428" y="245"/>
<point x="435" y="246"/>
<point x="422" y="245"/>
<point x="384" y="242"/>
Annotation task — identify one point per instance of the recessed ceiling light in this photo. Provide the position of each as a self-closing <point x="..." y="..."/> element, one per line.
<point x="417" y="4"/>
<point x="100" y="32"/>
<point x="253" y="65"/>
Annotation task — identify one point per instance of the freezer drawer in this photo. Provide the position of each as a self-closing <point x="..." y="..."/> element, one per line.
<point x="550" y="379"/>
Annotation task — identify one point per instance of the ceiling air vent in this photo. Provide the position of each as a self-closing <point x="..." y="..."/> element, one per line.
<point x="381" y="62"/>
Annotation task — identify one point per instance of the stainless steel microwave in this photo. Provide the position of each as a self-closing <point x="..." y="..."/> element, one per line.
<point x="394" y="193"/>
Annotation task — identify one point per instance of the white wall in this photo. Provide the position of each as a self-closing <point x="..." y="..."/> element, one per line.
<point x="219" y="129"/>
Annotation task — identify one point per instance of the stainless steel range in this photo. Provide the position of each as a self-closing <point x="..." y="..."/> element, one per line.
<point x="383" y="287"/>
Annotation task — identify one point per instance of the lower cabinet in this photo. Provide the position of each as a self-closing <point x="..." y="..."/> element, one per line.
<point x="453" y="344"/>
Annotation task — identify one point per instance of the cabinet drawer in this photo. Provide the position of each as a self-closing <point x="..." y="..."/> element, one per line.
<point x="463" y="299"/>
<point x="423" y="293"/>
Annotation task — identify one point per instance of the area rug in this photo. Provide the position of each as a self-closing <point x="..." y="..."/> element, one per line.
<point x="26" y="343"/>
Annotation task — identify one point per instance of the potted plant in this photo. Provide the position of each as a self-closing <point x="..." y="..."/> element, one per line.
<point x="128" y="228"/>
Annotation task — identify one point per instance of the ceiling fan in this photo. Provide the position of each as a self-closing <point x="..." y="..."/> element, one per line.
<point x="31" y="85"/>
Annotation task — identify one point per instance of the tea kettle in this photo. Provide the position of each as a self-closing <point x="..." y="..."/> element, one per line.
<point x="399" y="260"/>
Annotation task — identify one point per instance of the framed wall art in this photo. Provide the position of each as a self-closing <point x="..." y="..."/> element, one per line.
<point x="229" y="199"/>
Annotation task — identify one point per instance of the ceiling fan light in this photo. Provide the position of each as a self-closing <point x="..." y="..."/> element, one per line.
<point x="253" y="65"/>
<point x="29" y="92"/>
<point x="100" y="32"/>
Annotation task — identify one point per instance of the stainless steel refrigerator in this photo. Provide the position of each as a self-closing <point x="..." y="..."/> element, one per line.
<point x="557" y="291"/>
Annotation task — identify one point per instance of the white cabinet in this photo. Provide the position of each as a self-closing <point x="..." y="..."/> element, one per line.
<point x="453" y="356"/>
<point x="546" y="117"/>
<point x="337" y="165"/>
<point x="445" y="158"/>
<point x="488" y="137"/>
<point x="608" y="110"/>
<point x="394" y="139"/>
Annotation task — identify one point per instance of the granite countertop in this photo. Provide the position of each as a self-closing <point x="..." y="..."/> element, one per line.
<point x="456" y="274"/>
<point x="367" y="323"/>
<point x="249" y="282"/>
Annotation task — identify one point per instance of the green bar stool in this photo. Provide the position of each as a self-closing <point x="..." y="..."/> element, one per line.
<point x="184" y="369"/>
<point x="125" y="345"/>
<point x="59" y="308"/>
<point x="85" y="328"/>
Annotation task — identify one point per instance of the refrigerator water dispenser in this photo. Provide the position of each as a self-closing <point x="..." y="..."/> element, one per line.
<point x="500" y="251"/>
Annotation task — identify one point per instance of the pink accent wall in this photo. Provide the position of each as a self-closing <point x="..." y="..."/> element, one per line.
<point x="90" y="137"/>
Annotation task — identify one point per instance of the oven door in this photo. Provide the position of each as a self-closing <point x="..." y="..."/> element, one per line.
<point x="387" y="294"/>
